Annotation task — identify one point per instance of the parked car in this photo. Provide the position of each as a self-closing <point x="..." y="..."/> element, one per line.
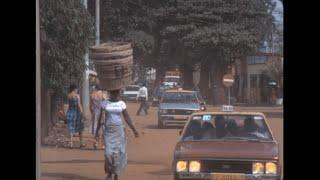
<point x="130" y="93"/>
<point x="226" y="145"/>
<point x="177" y="105"/>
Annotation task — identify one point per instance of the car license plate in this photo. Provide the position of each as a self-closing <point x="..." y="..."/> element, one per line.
<point x="180" y="117"/>
<point x="227" y="176"/>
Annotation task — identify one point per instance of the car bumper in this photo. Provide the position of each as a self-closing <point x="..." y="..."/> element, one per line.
<point x="179" y="120"/>
<point x="187" y="175"/>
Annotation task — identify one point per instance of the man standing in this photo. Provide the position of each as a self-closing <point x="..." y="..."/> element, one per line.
<point x="143" y="98"/>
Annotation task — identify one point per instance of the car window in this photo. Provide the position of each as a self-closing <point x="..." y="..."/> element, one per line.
<point x="132" y="88"/>
<point x="172" y="79"/>
<point x="179" y="97"/>
<point x="227" y="127"/>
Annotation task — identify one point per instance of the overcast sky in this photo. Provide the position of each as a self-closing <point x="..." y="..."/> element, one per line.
<point x="278" y="11"/>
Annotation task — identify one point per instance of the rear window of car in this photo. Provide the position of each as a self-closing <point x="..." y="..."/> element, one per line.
<point x="132" y="88"/>
<point x="179" y="97"/>
<point x="227" y="127"/>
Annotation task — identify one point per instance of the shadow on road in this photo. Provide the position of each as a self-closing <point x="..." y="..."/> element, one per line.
<point x="66" y="176"/>
<point x="74" y="161"/>
<point x="144" y="162"/>
<point x="161" y="172"/>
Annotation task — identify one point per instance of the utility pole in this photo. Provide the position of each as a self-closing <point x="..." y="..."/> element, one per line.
<point x="97" y="22"/>
<point x="85" y="84"/>
<point x="38" y="95"/>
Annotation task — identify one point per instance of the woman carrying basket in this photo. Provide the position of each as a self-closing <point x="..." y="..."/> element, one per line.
<point x="114" y="134"/>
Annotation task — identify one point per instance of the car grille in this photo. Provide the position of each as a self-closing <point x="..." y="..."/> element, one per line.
<point x="219" y="166"/>
<point x="179" y="112"/>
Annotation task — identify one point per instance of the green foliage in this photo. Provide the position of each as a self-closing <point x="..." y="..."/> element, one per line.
<point x="233" y="27"/>
<point x="274" y="70"/>
<point x="66" y="30"/>
<point x="188" y="31"/>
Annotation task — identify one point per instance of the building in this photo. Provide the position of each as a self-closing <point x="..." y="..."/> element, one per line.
<point x="258" y="84"/>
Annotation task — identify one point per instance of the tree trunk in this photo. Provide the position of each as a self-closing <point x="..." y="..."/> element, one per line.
<point x="159" y="76"/>
<point x="243" y="77"/>
<point x="187" y="72"/>
<point x="219" y="91"/>
<point x="204" y="79"/>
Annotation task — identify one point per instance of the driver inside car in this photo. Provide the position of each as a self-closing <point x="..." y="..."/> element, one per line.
<point x="221" y="127"/>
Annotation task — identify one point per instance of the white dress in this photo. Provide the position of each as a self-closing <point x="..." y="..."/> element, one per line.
<point x="114" y="136"/>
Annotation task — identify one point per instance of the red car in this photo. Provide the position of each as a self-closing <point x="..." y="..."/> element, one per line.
<point x="226" y="146"/>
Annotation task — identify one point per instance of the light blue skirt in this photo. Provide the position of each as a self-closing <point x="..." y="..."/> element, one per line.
<point x="115" y="149"/>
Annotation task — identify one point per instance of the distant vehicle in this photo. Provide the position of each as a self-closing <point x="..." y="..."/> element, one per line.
<point x="177" y="105"/>
<point x="130" y="93"/>
<point x="171" y="81"/>
<point x="226" y="145"/>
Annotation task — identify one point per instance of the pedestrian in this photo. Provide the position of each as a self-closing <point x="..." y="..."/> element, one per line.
<point x="75" y="115"/>
<point x="96" y="98"/>
<point x="143" y="99"/>
<point x="114" y="134"/>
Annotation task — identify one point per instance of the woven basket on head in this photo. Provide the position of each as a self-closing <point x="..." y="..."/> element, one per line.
<point x="113" y="61"/>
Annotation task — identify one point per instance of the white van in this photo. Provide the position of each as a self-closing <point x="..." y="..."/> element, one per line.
<point x="131" y="92"/>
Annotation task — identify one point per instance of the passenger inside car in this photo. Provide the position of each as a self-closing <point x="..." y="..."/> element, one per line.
<point x="208" y="131"/>
<point x="252" y="129"/>
<point x="194" y="131"/>
<point x="217" y="127"/>
<point x="221" y="130"/>
<point x="232" y="127"/>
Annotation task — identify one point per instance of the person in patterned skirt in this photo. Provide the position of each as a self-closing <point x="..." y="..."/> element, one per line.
<point x="75" y="115"/>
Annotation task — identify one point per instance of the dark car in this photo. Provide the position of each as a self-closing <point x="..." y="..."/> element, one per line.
<point x="226" y="145"/>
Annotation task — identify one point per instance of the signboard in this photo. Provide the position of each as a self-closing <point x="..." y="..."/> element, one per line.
<point x="227" y="108"/>
<point x="272" y="83"/>
<point x="228" y="80"/>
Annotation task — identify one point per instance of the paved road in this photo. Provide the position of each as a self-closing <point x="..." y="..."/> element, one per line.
<point x="150" y="156"/>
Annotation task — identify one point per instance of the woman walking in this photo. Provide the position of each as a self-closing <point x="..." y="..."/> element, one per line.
<point x="95" y="101"/>
<point x="114" y="134"/>
<point x="74" y="115"/>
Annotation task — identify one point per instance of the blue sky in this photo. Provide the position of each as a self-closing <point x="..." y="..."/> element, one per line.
<point x="278" y="11"/>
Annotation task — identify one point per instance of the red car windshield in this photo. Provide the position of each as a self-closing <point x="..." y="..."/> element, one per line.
<point x="227" y="127"/>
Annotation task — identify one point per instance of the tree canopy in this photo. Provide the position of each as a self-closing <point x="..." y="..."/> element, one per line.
<point x="66" y="31"/>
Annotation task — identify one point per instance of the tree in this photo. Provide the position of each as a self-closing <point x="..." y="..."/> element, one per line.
<point x="188" y="32"/>
<point x="214" y="32"/>
<point x="66" y="30"/>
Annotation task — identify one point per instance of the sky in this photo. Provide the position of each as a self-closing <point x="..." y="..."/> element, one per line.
<point x="278" y="11"/>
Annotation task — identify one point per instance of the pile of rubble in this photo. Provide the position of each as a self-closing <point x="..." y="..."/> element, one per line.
<point x="58" y="135"/>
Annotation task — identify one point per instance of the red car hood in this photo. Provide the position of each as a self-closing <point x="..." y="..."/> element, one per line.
<point x="226" y="150"/>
